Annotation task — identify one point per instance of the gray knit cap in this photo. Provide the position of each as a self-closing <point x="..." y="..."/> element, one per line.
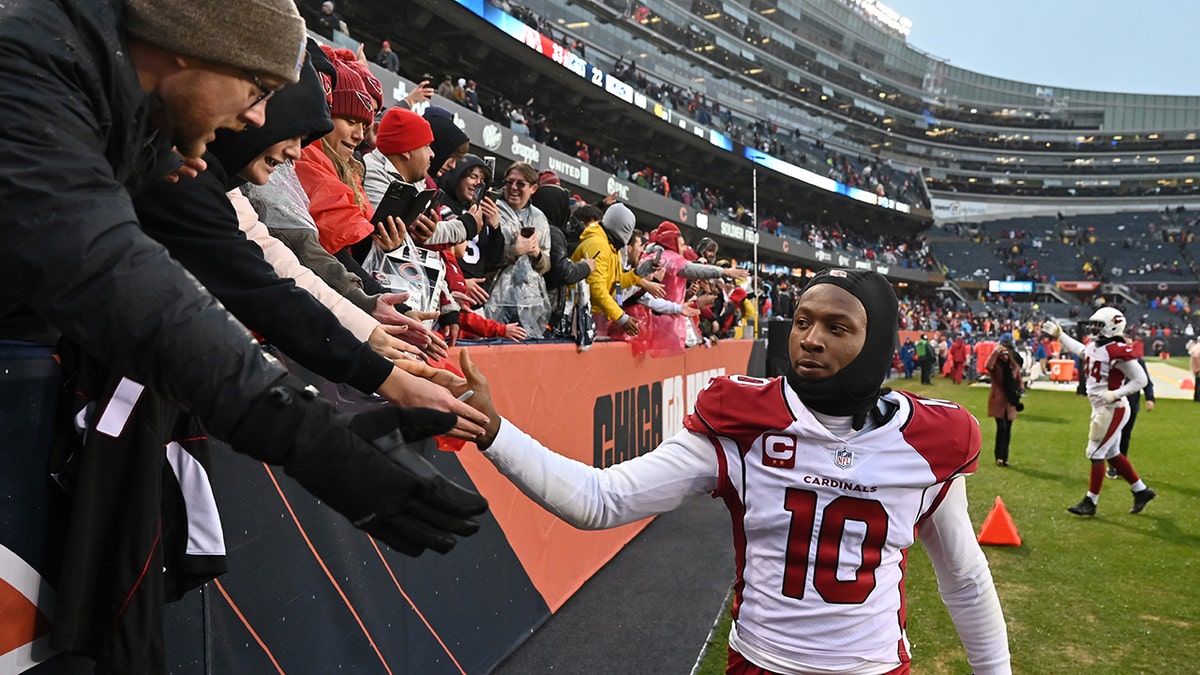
<point x="260" y="36"/>
<point x="619" y="221"/>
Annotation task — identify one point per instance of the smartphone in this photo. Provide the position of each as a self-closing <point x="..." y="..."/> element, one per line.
<point x="404" y="201"/>
<point x="527" y="232"/>
<point x="495" y="194"/>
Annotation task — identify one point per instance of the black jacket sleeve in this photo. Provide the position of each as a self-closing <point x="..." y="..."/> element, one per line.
<point x="199" y="227"/>
<point x="1148" y="390"/>
<point x="491" y="248"/>
<point x="563" y="272"/>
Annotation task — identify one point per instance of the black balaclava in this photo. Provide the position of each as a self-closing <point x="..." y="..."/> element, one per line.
<point x="853" y="390"/>
<point x="296" y="110"/>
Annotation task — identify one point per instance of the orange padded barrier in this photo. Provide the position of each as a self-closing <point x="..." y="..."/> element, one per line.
<point x="598" y="407"/>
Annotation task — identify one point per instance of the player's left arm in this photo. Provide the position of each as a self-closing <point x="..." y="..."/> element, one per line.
<point x="965" y="583"/>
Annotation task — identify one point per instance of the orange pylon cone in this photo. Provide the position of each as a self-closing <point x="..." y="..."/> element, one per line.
<point x="998" y="528"/>
<point x="1187" y="384"/>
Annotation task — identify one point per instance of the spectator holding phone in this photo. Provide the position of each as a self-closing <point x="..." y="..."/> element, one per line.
<point x="402" y="157"/>
<point x="462" y="188"/>
<point x="518" y="292"/>
<point x="565" y="280"/>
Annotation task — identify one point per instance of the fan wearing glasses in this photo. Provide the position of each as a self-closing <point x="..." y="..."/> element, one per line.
<point x="518" y="291"/>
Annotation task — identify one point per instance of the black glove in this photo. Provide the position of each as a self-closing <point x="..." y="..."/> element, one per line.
<point x="362" y="465"/>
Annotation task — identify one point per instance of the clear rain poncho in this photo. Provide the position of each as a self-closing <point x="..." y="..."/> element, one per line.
<point x="518" y="293"/>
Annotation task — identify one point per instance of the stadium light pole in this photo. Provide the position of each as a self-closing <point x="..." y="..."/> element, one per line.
<point x="754" y="272"/>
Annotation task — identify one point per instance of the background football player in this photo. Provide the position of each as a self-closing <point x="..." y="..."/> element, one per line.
<point x="1110" y="372"/>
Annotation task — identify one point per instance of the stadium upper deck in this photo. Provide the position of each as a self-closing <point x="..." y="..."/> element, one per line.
<point x="838" y="72"/>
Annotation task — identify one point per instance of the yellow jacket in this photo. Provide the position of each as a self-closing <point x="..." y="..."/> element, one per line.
<point x="593" y="243"/>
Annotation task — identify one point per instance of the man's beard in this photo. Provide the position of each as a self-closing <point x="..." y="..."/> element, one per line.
<point x="191" y="148"/>
<point x="192" y="131"/>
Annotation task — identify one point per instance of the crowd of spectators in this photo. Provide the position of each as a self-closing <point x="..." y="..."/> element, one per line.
<point x="1017" y="248"/>
<point x="527" y="119"/>
<point x="531" y="120"/>
<point x="909" y="188"/>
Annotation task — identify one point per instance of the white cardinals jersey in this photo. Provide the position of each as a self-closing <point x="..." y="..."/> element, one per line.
<point x="822" y="524"/>
<point x="1098" y="362"/>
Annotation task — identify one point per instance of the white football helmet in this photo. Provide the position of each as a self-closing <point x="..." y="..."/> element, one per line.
<point x="1107" y="322"/>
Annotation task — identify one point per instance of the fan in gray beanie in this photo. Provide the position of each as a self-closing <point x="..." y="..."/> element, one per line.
<point x="258" y="36"/>
<point x="618" y="223"/>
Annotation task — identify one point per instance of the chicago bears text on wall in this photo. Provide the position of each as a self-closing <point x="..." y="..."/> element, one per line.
<point x="632" y="422"/>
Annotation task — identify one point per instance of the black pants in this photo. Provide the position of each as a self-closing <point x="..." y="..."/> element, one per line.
<point x="1003" y="436"/>
<point x="926" y="371"/>
<point x="1135" y="402"/>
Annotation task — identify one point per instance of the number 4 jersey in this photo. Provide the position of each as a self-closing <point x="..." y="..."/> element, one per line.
<point x="1099" y="365"/>
<point x="822" y="522"/>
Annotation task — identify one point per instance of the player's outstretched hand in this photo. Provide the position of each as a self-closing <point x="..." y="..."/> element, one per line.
<point x="365" y="467"/>
<point x="481" y="400"/>
<point x="1051" y="328"/>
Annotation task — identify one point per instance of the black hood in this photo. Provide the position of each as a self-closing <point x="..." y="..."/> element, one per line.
<point x="853" y="390"/>
<point x="296" y="110"/>
<point x="448" y="183"/>
<point x="555" y="202"/>
<point x="447" y="138"/>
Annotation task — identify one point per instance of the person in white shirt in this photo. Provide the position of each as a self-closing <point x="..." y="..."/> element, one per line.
<point x="828" y="479"/>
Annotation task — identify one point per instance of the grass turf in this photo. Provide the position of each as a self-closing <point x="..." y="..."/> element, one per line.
<point x="1111" y="594"/>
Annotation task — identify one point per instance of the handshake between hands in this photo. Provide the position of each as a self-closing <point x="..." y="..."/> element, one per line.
<point x="371" y="467"/>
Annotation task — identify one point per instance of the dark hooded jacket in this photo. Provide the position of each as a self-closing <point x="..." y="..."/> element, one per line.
<point x="447" y="137"/>
<point x="196" y="222"/>
<point x="485" y="251"/>
<point x="554" y="201"/>
<point x="76" y="143"/>
<point x="75" y="126"/>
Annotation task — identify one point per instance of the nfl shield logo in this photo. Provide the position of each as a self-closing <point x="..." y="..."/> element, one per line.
<point x="843" y="457"/>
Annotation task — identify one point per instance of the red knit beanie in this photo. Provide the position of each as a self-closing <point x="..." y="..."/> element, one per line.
<point x="351" y="98"/>
<point x="548" y="177"/>
<point x="402" y="130"/>
<point x="373" y="86"/>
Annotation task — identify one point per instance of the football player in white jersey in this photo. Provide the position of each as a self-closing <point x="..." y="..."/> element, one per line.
<point x="1110" y="372"/>
<point x="828" y="479"/>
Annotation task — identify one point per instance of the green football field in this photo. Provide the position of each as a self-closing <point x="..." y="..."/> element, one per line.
<point x="1116" y="593"/>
